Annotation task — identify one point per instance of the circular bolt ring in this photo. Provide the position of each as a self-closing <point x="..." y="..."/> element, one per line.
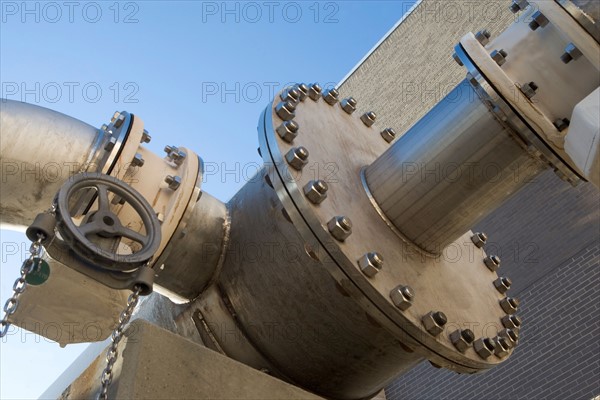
<point x="106" y="223"/>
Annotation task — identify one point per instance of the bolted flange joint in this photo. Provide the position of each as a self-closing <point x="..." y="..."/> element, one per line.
<point x="492" y="262"/>
<point x="370" y="264"/>
<point x="368" y="118"/>
<point x="340" y="227"/>
<point x="331" y="96"/>
<point x="349" y="105"/>
<point x="316" y="191"/>
<point x="479" y="239"/>
<point x="297" y="157"/>
<point x="286" y="110"/>
<point x="288" y="130"/>
<point x="315" y="91"/>
<point x="434" y="322"/>
<point x="462" y="339"/>
<point x="402" y="296"/>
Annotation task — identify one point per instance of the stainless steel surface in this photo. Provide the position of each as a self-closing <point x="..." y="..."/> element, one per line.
<point x="39" y="150"/>
<point x="194" y="254"/>
<point x="586" y="13"/>
<point x="450" y="170"/>
<point x="290" y="308"/>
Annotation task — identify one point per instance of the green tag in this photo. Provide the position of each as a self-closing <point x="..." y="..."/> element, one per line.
<point x="39" y="274"/>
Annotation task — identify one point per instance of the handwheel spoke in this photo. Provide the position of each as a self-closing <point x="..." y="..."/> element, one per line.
<point x="102" y="197"/>
<point x="133" y="235"/>
<point x="90" y="228"/>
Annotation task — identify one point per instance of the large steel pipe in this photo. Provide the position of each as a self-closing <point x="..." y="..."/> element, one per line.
<point x="451" y="169"/>
<point x="39" y="150"/>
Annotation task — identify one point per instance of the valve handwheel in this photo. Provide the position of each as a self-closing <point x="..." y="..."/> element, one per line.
<point x="103" y="223"/>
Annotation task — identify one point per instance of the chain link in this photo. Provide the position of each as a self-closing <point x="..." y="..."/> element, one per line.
<point x="112" y="353"/>
<point x="11" y="305"/>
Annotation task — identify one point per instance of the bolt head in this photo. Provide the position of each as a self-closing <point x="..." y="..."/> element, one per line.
<point x="297" y="157"/>
<point x="402" y="296"/>
<point x="457" y="59"/>
<point x="119" y="121"/>
<point x="484" y="347"/>
<point x="499" y="56"/>
<point x="288" y="130"/>
<point x="138" y="160"/>
<point x="146" y="138"/>
<point x="529" y="89"/>
<point x="509" y="305"/>
<point x="370" y="264"/>
<point x="502" y="284"/>
<point x="501" y="348"/>
<point x="492" y="262"/>
<point x="511" y="337"/>
<point x="291" y="95"/>
<point x="518" y="5"/>
<point x="173" y="181"/>
<point x="316" y="191"/>
<point x="479" y="239"/>
<point x="571" y="53"/>
<point x="512" y="322"/>
<point x="340" y="227"/>
<point x="562" y="123"/>
<point x="538" y="20"/>
<point x="434" y="322"/>
<point x="483" y="37"/>
<point x="315" y="92"/>
<point x="331" y="96"/>
<point x="110" y="144"/>
<point x="462" y="339"/>
<point x="285" y="110"/>
<point x="302" y="90"/>
<point x="388" y="134"/>
<point x="368" y="118"/>
<point x="349" y="105"/>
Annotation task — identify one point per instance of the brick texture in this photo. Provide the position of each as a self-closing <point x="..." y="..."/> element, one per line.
<point x="548" y="234"/>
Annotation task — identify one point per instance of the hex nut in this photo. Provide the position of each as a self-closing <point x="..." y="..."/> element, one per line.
<point x="562" y="123"/>
<point x="331" y="96"/>
<point x="146" y="138"/>
<point x="173" y="181"/>
<point x="502" y="348"/>
<point x="119" y="120"/>
<point x="297" y="157"/>
<point x="370" y="264"/>
<point x="288" y="130"/>
<point x="502" y="284"/>
<point x="538" y="20"/>
<point x="292" y="95"/>
<point x="368" y="118"/>
<point x="349" y="105"/>
<point x="511" y="337"/>
<point x="302" y="90"/>
<point x="518" y="5"/>
<point x="110" y="144"/>
<point x="434" y="322"/>
<point x="512" y="322"/>
<point x="316" y="191"/>
<point x="571" y="53"/>
<point x="479" y="239"/>
<point x="402" y="296"/>
<point x="492" y="262"/>
<point x="138" y="160"/>
<point x="388" y="134"/>
<point x="340" y="227"/>
<point x="483" y="37"/>
<point x="499" y="56"/>
<point x="462" y="339"/>
<point x="484" y="347"/>
<point x="315" y="91"/>
<point x="285" y="110"/>
<point x="529" y="89"/>
<point x="509" y="305"/>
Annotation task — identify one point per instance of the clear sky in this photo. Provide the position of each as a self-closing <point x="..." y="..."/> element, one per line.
<point x="197" y="73"/>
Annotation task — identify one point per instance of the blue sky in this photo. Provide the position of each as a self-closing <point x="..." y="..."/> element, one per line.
<point x="197" y="73"/>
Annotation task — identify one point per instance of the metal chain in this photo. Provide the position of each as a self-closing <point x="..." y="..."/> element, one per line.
<point x="11" y="305"/>
<point x="112" y="353"/>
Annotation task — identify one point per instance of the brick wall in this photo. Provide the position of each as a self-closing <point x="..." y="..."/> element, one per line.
<point x="548" y="234"/>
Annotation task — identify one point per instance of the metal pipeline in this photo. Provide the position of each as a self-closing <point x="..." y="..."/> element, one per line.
<point x="451" y="169"/>
<point x="39" y="150"/>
